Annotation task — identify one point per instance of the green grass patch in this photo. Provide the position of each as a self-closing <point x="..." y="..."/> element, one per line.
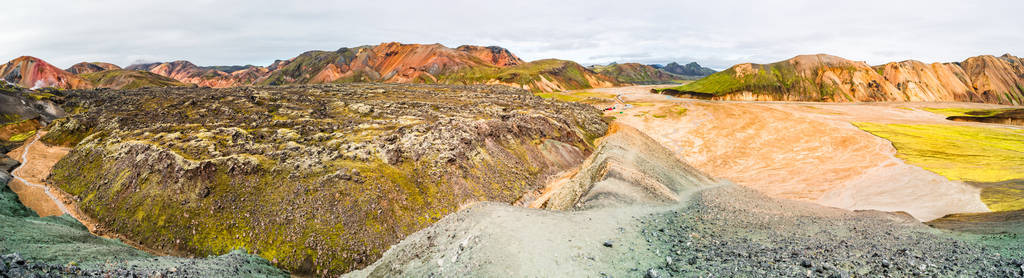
<point x="966" y="153"/>
<point x="964" y="112"/>
<point x="1006" y="197"/>
<point x="981" y="154"/>
<point x="679" y="111"/>
<point x="22" y="136"/>
<point x="562" y="97"/>
<point x="595" y="95"/>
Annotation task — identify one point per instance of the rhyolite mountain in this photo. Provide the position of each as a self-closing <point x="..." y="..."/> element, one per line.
<point x="634" y="73"/>
<point x="394" y="63"/>
<point x="432" y="63"/>
<point x="130" y="79"/>
<point x="188" y="72"/>
<point x="821" y="77"/>
<point x="32" y="72"/>
<point x="91" y="67"/>
<point x="388" y="62"/>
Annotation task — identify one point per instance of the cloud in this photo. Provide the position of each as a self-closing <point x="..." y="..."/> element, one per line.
<point x="714" y="33"/>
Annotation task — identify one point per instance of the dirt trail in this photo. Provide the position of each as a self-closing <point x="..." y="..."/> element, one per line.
<point x="802" y="151"/>
<point x="36" y="161"/>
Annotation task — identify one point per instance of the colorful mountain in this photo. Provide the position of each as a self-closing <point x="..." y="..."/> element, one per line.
<point x="431" y="63"/>
<point x="497" y="56"/>
<point x="823" y="77"/>
<point x="32" y="72"/>
<point x="188" y="72"/>
<point x="130" y="79"/>
<point x="388" y="62"/>
<point x="91" y="67"/>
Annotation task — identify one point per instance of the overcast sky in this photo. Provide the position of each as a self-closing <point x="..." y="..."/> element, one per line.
<point x="714" y="33"/>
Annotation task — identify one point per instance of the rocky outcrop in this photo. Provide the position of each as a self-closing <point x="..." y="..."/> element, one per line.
<point x="627" y="168"/>
<point x="986" y="79"/>
<point x="87" y="67"/>
<point x="318" y="179"/>
<point x="18" y="105"/>
<point x="31" y="72"/>
<point x="633" y="73"/>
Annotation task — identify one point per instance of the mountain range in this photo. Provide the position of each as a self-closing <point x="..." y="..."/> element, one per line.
<point x="634" y="73"/>
<point x="822" y="77"/>
<point x="387" y="62"/>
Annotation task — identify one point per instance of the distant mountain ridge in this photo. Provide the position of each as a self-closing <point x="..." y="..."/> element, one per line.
<point x="387" y="62"/>
<point x="187" y="72"/>
<point x="691" y="69"/>
<point x="821" y="77"/>
<point x="635" y="73"/>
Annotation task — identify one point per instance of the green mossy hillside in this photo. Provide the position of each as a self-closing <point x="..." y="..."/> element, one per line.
<point x="317" y="179"/>
<point x="129" y="79"/>
<point x="633" y="73"/>
<point x="773" y="79"/>
<point x="533" y="75"/>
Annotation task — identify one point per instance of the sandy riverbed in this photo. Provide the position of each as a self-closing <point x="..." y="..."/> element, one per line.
<point x="36" y="165"/>
<point x="803" y="151"/>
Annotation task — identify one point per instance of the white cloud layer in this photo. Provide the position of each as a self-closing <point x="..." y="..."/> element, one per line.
<point x="713" y="33"/>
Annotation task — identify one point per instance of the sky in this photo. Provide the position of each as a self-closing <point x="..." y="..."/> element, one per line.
<point x="714" y="33"/>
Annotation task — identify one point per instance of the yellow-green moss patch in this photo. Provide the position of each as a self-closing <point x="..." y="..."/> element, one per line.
<point x="22" y="136"/>
<point x="982" y="154"/>
<point x="966" y="112"/>
<point x="966" y="153"/>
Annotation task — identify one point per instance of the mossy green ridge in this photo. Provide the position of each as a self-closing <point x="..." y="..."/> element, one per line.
<point x="22" y="136"/>
<point x="966" y="153"/>
<point x="633" y="73"/>
<point x="538" y="76"/>
<point x="318" y="179"/>
<point x="302" y="68"/>
<point x="129" y="79"/>
<point x="781" y="81"/>
<point x="62" y="240"/>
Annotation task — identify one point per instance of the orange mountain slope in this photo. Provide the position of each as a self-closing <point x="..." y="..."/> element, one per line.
<point x="32" y="72"/>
